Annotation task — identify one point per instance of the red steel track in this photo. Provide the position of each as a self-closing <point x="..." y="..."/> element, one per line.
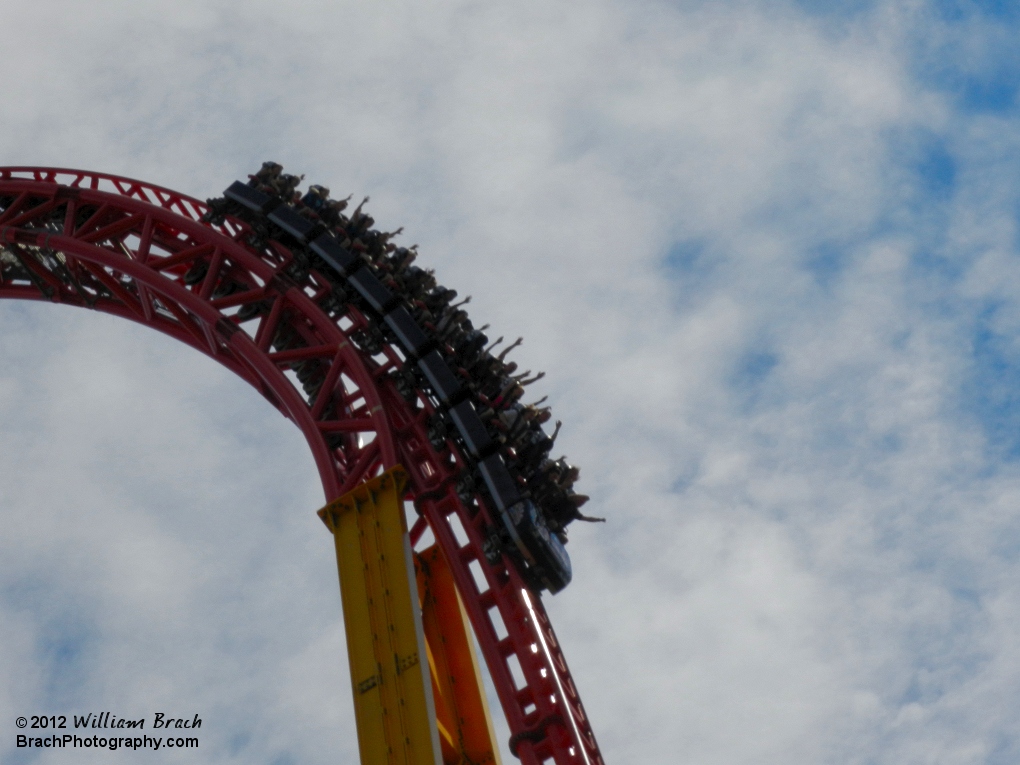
<point x="124" y="247"/>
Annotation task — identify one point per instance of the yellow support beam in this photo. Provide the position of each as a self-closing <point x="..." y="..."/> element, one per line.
<point x="393" y="702"/>
<point x="462" y="713"/>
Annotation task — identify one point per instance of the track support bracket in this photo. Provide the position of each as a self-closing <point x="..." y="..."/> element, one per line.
<point x="390" y="679"/>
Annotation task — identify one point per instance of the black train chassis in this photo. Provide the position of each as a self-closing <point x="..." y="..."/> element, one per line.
<point x="524" y="525"/>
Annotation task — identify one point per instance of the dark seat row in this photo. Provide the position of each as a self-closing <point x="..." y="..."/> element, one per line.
<point x="543" y="551"/>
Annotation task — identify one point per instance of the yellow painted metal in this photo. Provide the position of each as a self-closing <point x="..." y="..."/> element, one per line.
<point x="393" y="702"/>
<point x="462" y="713"/>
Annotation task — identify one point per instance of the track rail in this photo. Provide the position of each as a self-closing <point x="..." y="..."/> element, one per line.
<point x="253" y="303"/>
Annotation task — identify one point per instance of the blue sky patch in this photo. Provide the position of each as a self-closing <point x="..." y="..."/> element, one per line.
<point x="1005" y="751"/>
<point x="992" y="392"/>
<point x="64" y="650"/>
<point x="960" y="10"/>
<point x="935" y="168"/>
<point x="972" y="55"/>
<point x="750" y="374"/>
<point x="686" y="257"/>
<point x="825" y="262"/>
<point x="754" y="367"/>
<point x="65" y="634"/>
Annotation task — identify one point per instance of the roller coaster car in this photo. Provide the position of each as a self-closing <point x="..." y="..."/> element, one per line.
<point x="526" y="534"/>
<point x="547" y="558"/>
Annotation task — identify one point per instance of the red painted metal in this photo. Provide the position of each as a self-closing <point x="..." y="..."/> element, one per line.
<point x="142" y="252"/>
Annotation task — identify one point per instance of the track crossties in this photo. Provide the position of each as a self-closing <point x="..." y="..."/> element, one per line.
<point x="372" y="360"/>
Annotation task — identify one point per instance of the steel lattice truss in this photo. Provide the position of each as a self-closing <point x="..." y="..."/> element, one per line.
<point x="143" y="252"/>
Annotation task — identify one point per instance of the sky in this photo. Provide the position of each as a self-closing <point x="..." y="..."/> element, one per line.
<point x="766" y="254"/>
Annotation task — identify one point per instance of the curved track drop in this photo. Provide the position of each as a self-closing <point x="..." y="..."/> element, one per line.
<point x="260" y="291"/>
